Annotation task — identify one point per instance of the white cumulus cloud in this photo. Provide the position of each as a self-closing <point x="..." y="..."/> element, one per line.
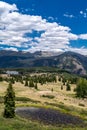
<point x="6" y="8"/>
<point x="83" y="36"/>
<point x="17" y="31"/>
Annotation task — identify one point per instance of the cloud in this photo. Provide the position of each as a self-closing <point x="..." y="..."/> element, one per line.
<point x="51" y="18"/>
<point x="83" y="36"/>
<point x="5" y="8"/>
<point x="69" y="15"/>
<point x="83" y="13"/>
<point x="81" y="50"/>
<point x="18" y="30"/>
<point x="10" y="48"/>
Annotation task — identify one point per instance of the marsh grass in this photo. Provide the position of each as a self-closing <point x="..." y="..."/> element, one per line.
<point x="19" y="123"/>
<point x="22" y="124"/>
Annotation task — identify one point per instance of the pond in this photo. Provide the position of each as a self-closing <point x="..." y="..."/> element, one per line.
<point x="48" y="116"/>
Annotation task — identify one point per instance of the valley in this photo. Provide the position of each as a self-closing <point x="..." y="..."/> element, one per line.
<point x="50" y="93"/>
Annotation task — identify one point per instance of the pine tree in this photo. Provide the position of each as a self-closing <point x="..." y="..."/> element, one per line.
<point x="9" y="102"/>
<point x="81" y="89"/>
<point x="26" y="83"/>
<point x="12" y="80"/>
<point x="61" y="87"/>
<point x="64" y="81"/>
<point x="68" y="87"/>
<point x="59" y="79"/>
<point x="31" y="83"/>
<point x="52" y="89"/>
<point x="35" y="86"/>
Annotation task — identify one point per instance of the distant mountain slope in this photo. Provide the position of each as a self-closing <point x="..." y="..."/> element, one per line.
<point x="70" y="61"/>
<point x="73" y="62"/>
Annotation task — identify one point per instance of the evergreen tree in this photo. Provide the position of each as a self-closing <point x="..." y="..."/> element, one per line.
<point x="1" y="79"/>
<point x="12" y="80"/>
<point x="81" y="89"/>
<point x="52" y="89"/>
<point x="31" y="83"/>
<point x="59" y="78"/>
<point x="64" y="81"/>
<point x="9" y="102"/>
<point x="35" y="86"/>
<point x="68" y="87"/>
<point x="61" y="87"/>
<point x="26" y="82"/>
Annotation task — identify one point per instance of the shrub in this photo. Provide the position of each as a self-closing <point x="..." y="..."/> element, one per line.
<point x="82" y="105"/>
<point x="48" y="96"/>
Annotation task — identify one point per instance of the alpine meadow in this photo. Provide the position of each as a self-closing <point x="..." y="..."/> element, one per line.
<point x="43" y="65"/>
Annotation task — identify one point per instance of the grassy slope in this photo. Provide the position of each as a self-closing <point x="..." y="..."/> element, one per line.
<point x="63" y="99"/>
<point x="22" y="124"/>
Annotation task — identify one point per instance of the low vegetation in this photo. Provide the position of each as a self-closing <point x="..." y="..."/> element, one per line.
<point x="48" y="96"/>
<point x="59" y="91"/>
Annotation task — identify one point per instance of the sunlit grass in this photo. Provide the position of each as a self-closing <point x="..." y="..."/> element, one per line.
<point x="25" y="96"/>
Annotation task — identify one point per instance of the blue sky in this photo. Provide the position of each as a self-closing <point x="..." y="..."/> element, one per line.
<point x="43" y="25"/>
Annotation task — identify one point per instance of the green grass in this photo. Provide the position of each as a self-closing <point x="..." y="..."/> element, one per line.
<point x="1" y="99"/>
<point x="20" y="99"/>
<point x="19" y="123"/>
<point x="82" y="113"/>
<point x="24" y="99"/>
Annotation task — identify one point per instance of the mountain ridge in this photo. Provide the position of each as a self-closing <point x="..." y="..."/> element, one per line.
<point x="71" y="61"/>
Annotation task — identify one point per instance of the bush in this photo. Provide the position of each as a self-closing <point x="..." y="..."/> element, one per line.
<point x="48" y="96"/>
<point x="82" y="105"/>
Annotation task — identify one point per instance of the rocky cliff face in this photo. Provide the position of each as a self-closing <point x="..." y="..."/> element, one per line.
<point x="72" y="64"/>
